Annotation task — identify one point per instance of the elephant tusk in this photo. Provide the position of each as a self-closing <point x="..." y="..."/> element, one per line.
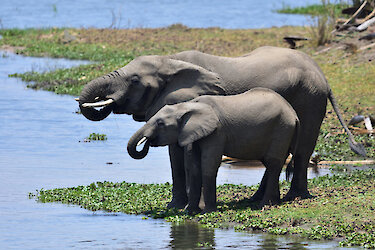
<point x="77" y="99"/>
<point x="98" y="104"/>
<point x="142" y="141"/>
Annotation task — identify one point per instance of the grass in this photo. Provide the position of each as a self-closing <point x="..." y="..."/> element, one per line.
<point x="50" y="42"/>
<point x="343" y="209"/>
<point x="325" y="8"/>
<point x="354" y="88"/>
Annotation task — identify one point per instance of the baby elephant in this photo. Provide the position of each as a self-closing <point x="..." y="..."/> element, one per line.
<point x="256" y="125"/>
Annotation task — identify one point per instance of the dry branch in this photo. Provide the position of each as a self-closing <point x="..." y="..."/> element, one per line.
<point x="352" y="17"/>
<point x="367" y="162"/>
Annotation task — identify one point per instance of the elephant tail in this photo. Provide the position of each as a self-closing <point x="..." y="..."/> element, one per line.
<point x="293" y="148"/>
<point x="356" y="147"/>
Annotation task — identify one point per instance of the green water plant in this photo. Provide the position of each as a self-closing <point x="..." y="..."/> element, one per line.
<point x="343" y="207"/>
<point x="96" y="137"/>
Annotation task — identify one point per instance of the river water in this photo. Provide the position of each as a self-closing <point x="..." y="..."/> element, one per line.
<point x="149" y="13"/>
<point x="41" y="137"/>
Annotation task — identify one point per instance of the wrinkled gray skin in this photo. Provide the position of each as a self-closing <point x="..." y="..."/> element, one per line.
<point x="148" y="83"/>
<point x="256" y="125"/>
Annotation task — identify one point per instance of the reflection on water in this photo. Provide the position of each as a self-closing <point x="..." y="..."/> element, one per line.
<point x="191" y="235"/>
<point x="40" y="148"/>
<point x="237" y="14"/>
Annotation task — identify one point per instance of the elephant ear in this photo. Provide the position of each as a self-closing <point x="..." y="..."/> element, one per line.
<point x="184" y="81"/>
<point x="200" y="121"/>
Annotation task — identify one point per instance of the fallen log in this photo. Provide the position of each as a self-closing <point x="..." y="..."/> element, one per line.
<point x="367" y="47"/>
<point x="369" y="16"/>
<point x="355" y="15"/>
<point x="366" y="24"/>
<point x="321" y="164"/>
<point x="365" y="162"/>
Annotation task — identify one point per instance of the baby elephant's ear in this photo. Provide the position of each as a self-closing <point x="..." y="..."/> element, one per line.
<point x="198" y="122"/>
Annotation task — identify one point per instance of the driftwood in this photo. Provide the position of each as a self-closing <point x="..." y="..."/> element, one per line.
<point x="320" y="164"/>
<point x="366" y="24"/>
<point x="369" y="16"/>
<point x="366" y="162"/>
<point x="367" y="47"/>
<point x="351" y="10"/>
<point x="355" y="15"/>
<point x="357" y="131"/>
<point x="362" y="131"/>
<point x="368" y="126"/>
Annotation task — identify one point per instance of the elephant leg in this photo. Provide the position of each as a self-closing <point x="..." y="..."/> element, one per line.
<point x="211" y="160"/>
<point x="179" y="199"/>
<point x="209" y="192"/>
<point x="298" y="186"/>
<point x="262" y="188"/>
<point x="309" y="132"/>
<point x="272" y="189"/>
<point x="193" y="178"/>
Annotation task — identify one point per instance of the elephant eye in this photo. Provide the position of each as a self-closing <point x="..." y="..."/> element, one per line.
<point x="135" y="79"/>
<point x="160" y="123"/>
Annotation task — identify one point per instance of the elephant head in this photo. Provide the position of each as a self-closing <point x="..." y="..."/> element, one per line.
<point x="182" y="123"/>
<point x="144" y="86"/>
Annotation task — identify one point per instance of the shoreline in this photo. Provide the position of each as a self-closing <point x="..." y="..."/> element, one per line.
<point x="342" y="208"/>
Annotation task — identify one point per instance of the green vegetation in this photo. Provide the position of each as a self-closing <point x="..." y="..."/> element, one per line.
<point x="343" y="209"/>
<point x="96" y="137"/>
<point x="325" y="8"/>
<point x="53" y="43"/>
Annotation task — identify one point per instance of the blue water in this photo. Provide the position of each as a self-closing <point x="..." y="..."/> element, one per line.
<point x="149" y="14"/>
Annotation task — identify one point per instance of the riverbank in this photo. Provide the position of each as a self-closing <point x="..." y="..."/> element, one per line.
<point x="349" y="71"/>
<point x="343" y="208"/>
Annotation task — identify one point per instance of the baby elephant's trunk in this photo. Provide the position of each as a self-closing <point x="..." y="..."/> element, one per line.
<point x="137" y="139"/>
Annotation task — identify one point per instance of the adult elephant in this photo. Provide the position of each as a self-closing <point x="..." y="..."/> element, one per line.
<point x="148" y="83"/>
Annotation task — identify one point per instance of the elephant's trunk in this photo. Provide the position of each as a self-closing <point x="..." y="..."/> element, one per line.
<point x="94" y="92"/>
<point x="135" y="140"/>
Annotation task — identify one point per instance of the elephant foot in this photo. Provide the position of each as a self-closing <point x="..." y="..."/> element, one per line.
<point x="177" y="203"/>
<point x="208" y="210"/>
<point x="193" y="210"/>
<point x="256" y="197"/>
<point x="293" y="194"/>
<point x="269" y="202"/>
